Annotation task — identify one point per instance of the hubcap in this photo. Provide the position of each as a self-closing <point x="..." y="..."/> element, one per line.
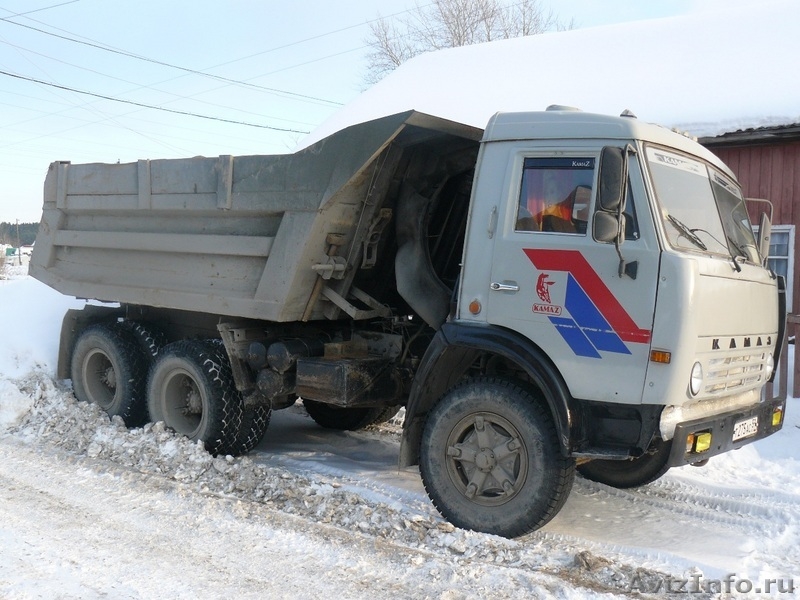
<point x="487" y="459"/>
<point x="100" y="378"/>
<point x="182" y="402"/>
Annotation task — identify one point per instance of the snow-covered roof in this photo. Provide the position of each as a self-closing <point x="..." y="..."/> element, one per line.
<point x="707" y="73"/>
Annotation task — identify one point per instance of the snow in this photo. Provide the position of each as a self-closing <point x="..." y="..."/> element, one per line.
<point x="705" y="73"/>
<point x="90" y="509"/>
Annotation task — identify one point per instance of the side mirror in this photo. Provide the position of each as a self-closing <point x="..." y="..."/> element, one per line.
<point x="764" y="236"/>
<point x="608" y="225"/>
<point x="613" y="179"/>
<point x="764" y="229"/>
<point x="609" y="218"/>
<point x="607" y="228"/>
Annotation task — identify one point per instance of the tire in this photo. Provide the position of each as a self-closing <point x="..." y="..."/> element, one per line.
<point x="347" y="419"/>
<point x="386" y="414"/>
<point x="192" y="391"/>
<point x="108" y="369"/>
<point x="255" y="419"/>
<point x="491" y="461"/>
<point x="632" y="473"/>
<point x="255" y="422"/>
<point x="151" y="339"/>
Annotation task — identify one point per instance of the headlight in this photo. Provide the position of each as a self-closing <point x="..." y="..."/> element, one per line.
<point x="770" y="366"/>
<point x="696" y="380"/>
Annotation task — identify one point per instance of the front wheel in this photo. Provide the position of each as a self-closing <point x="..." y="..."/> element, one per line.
<point x="490" y="458"/>
<point x="631" y="473"/>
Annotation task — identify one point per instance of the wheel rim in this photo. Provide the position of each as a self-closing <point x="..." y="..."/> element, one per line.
<point x="100" y="378"/>
<point x="182" y="402"/>
<point x="487" y="459"/>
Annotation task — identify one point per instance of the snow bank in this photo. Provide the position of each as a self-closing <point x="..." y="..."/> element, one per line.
<point x="14" y="405"/>
<point x="30" y="343"/>
<point x="706" y="73"/>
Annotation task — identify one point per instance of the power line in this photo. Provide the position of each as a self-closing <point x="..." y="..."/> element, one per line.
<point x="143" y="105"/>
<point x="103" y="47"/>
<point x="205" y="73"/>
<point x="138" y="85"/>
<point x="166" y="64"/>
<point x="29" y="12"/>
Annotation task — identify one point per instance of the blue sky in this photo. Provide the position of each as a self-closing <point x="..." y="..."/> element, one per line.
<point x="299" y="62"/>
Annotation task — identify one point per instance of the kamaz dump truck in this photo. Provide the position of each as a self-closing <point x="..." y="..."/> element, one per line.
<point x="559" y="291"/>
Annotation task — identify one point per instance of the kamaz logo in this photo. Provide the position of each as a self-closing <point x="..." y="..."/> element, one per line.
<point x="591" y="319"/>
<point x="745" y="342"/>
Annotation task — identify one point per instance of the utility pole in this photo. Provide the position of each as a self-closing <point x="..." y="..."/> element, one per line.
<point x="19" y="247"/>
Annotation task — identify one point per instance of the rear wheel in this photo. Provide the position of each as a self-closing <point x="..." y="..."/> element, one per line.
<point x="109" y="369"/>
<point x="191" y="390"/>
<point x="490" y="458"/>
<point x="255" y="419"/>
<point x="630" y="473"/>
<point x="347" y="419"/>
<point x="150" y="338"/>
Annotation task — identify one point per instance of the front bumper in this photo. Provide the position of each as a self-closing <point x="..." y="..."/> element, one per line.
<point x="721" y="427"/>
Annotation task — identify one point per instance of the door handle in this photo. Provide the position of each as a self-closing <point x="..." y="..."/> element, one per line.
<point x="504" y="287"/>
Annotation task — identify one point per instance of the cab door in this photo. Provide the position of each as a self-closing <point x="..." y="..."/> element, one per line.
<point x="554" y="283"/>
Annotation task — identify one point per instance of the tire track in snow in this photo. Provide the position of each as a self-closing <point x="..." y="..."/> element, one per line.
<point x="684" y="525"/>
<point x="695" y="503"/>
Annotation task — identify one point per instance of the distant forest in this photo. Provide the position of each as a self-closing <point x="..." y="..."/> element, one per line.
<point x="27" y="233"/>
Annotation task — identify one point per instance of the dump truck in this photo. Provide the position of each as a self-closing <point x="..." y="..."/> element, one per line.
<point x="559" y="291"/>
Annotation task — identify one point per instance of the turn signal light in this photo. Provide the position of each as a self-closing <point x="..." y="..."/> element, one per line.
<point x="660" y="356"/>
<point x="777" y="416"/>
<point x="475" y="307"/>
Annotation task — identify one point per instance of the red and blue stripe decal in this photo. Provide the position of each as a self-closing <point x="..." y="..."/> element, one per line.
<point x="597" y="322"/>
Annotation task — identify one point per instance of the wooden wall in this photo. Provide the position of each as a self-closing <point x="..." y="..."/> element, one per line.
<point x="768" y="171"/>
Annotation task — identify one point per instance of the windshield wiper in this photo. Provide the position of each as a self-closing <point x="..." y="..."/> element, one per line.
<point x="684" y="230"/>
<point x="740" y="252"/>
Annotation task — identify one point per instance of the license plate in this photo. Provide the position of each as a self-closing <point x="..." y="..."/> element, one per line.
<point x="745" y="428"/>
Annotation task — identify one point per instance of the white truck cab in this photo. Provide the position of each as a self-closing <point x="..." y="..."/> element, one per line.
<point x="612" y="264"/>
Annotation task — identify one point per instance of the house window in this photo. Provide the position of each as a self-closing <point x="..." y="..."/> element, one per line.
<point x="781" y="257"/>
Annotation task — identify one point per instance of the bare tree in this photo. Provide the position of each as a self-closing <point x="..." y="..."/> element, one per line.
<point x="451" y="23"/>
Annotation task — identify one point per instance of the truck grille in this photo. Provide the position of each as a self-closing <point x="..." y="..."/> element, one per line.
<point x="735" y="373"/>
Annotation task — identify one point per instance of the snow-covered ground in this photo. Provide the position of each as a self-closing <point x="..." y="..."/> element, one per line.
<point x="89" y="509"/>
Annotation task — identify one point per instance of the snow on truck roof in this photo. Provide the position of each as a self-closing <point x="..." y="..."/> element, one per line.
<point x="707" y="73"/>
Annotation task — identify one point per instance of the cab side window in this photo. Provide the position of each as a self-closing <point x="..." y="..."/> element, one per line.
<point x="555" y="195"/>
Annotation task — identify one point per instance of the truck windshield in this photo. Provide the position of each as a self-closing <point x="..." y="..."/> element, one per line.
<point x="702" y="209"/>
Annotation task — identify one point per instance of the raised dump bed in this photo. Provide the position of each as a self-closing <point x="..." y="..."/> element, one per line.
<point x="277" y="238"/>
